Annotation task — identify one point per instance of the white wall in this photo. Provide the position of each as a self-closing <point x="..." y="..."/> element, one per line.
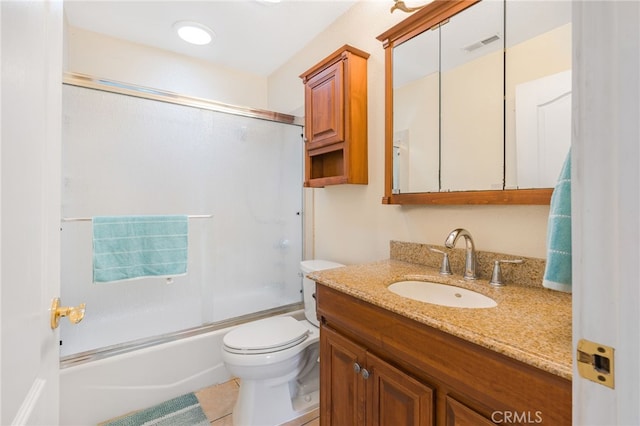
<point x="106" y="57"/>
<point x="350" y="223"/>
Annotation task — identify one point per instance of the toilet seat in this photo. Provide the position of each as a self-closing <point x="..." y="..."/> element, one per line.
<point x="266" y="336"/>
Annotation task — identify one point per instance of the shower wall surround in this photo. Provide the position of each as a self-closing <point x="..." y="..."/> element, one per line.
<point x="125" y="155"/>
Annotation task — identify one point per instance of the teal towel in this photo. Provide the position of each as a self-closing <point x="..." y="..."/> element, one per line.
<point x="557" y="274"/>
<point x="128" y="247"/>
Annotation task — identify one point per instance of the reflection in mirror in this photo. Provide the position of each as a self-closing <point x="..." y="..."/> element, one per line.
<point x="416" y="151"/>
<point x="448" y="105"/>
<point x="538" y="92"/>
<point x="472" y="92"/>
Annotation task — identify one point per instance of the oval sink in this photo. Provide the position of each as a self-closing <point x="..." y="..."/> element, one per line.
<point x="441" y="294"/>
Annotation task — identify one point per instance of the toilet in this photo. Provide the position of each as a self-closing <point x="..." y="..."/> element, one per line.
<point x="276" y="360"/>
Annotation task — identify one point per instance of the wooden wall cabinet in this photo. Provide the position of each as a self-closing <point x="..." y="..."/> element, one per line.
<point x="336" y="119"/>
<point x="420" y="376"/>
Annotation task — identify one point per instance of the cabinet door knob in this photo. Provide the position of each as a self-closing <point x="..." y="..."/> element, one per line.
<point x="356" y="367"/>
<point x="365" y="373"/>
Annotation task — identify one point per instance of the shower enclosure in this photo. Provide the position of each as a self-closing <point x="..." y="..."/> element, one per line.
<point x="236" y="172"/>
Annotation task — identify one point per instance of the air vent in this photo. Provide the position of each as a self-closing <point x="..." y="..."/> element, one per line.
<point x="479" y="44"/>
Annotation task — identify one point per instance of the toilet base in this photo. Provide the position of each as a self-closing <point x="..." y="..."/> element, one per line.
<point x="274" y="405"/>
<point x="304" y="404"/>
<point x="260" y="403"/>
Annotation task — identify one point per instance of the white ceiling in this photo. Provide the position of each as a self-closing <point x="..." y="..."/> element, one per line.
<point x="251" y="36"/>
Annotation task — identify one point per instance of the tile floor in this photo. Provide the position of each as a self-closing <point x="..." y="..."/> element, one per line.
<point x="217" y="403"/>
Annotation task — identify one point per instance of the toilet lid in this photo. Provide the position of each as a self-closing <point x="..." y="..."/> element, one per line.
<point x="266" y="335"/>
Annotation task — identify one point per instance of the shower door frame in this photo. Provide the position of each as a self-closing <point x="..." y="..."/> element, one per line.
<point x="117" y="87"/>
<point x="106" y="85"/>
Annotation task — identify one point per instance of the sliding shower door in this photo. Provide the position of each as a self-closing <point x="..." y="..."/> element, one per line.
<point x="239" y="178"/>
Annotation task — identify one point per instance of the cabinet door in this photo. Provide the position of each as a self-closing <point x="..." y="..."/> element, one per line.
<point x="460" y="415"/>
<point x="324" y="107"/>
<point x="342" y="393"/>
<point x="396" y="398"/>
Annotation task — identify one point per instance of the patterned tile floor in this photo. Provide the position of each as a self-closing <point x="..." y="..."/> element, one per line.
<point x="217" y="403"/>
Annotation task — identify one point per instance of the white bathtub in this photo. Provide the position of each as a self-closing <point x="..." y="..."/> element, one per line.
<point x="100" y="390"/>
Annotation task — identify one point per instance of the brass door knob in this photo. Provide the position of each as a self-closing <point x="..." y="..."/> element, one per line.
<point x="75" y="314"/>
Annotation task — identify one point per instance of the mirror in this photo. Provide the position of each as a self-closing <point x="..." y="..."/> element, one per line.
<point x="478" y="102"/>
<point x="416" y="106"/>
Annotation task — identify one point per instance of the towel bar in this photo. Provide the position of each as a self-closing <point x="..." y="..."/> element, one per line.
<point x="81" y="219"/>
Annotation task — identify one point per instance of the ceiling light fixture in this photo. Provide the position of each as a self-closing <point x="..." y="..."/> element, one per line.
<point x="401" y="5"/>
<point x="193" y="32"/>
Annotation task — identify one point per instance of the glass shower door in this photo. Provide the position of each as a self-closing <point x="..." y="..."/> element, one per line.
<point x="126" y="155"/>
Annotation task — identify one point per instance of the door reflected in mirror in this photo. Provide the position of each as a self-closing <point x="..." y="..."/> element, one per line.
<point x="538" y="92"/>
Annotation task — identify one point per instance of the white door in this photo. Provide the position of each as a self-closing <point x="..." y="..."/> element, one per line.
<point x="543" y="129"/>
<point x="606" y="204"/>
<point x="30" y="122"/>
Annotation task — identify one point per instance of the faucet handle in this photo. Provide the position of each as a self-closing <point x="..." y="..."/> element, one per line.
<point x="496" y="276"/>
<point x="445" y="268"/>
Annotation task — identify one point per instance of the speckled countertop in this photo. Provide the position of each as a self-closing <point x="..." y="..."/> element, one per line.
<point x="530" y="324"/>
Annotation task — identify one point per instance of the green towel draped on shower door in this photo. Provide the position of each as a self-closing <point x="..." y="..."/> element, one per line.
<point x="128" y="247"/>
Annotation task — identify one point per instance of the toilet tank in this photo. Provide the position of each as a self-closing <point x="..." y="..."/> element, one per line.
<point x="309" y="286"/>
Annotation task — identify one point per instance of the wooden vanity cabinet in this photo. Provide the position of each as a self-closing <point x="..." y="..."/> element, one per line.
<point x="336" y="119"/>
<point x="364" y="390"/>
<point x="418" y="375"/>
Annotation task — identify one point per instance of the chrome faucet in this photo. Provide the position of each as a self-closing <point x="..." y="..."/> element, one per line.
<point x="470" y="257"/>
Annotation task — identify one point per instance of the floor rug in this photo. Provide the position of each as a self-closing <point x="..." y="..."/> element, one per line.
<point x="184" y="410"/>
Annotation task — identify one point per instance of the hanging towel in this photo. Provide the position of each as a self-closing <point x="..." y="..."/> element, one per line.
<point x="557" y="274"/>
<point x="128" y="247"/>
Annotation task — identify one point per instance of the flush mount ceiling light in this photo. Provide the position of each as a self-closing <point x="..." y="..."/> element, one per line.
<point x="194" y="32"/>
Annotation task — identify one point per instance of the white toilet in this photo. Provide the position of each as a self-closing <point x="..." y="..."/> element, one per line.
<point x="276" y="360"/>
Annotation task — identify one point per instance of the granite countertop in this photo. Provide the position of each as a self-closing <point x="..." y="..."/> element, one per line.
<point x="530" y="324"/>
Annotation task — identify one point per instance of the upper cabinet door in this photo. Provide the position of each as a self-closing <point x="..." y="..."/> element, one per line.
<point x="325" y="107"/>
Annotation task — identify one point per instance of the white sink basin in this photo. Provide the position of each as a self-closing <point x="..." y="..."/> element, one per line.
<point x="441" y="294"/>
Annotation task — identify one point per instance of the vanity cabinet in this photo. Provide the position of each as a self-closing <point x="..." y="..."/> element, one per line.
<point x="358" y="388"/>
<point x="336" y="119"/>
<point x="419" y="375"/>
<point x="458" y="414"/>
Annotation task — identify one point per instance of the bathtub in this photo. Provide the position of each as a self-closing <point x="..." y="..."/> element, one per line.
<point x="98" y="390"/>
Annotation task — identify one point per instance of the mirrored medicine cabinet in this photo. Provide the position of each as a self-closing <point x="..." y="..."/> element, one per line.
<point x="478" y="102"/>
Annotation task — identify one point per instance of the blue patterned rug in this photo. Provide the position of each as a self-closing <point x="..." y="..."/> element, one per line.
<point x="184" y="410"/>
